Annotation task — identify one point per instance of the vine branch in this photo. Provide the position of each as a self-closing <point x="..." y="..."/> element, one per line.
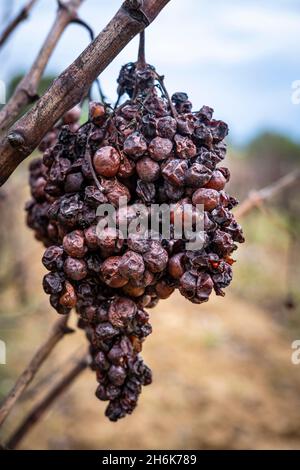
<point x="70" y="87"/>
<point x="59" y="330"/>
<point x="256" y="198"/>
<point x="39" y="410"/>
<point x="26" y="91"/>
<point x="21" y="16"/>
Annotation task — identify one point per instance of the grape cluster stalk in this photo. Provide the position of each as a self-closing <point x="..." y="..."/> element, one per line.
<point x="152" y="148"/>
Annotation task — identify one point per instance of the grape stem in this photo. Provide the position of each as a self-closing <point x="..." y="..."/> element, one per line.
<point x="160" y="79"/>
<point x="92" y="37"/>
<point x="141" y="56"/>
<point x="88" y="157"/>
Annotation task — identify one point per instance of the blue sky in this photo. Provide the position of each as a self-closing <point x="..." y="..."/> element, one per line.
<point x="240" y="57"/>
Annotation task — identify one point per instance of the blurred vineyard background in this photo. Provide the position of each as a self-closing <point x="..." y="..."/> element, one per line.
<point x="223" y="376"/>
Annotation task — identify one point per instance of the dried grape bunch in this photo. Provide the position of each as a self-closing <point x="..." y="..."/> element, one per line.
<point x="151" y="149"/>
<point x="116" y="330"/>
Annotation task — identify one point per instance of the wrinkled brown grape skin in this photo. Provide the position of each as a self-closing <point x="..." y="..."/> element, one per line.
<point x="126" y="168"/>
<point x="72" y="116"/>
<point x="135" y="145"/>
<point x="107" y="162"/>
<point x="217" y="181"/>
<point x="160" y="148"/>
<point x="74" y="244"/>
<point x="68" y="298"/>
<point x="133" y="291"/>
<point x="121" y="312"/>
<point x="91" y="238"/>
<point x="208" y="197"/>
<point x="75" y="269"/>
<point x="148" y="170"/>
<point x="166" y="127"/>
<point x="175" y="172"/>
<point x="156" y="259"/>
<point x="110" y="273"/>
<point x="176" y="266"/>
<point x="131" y="265"/>
<point x="163" y="290"/>
<point x="115" y="190"/>
<point x="147" y="152"/>
<point x="97" y="113"/>
<point x="185" y="147"/>
<point x="197" y="175"/>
